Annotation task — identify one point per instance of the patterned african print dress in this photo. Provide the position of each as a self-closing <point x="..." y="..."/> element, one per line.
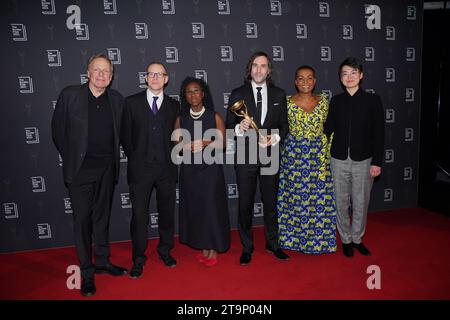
<point x="306" y="206"/>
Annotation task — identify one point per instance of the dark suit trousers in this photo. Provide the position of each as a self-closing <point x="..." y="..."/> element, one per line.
<point x="154" y="176"/>
<point x="246" y="177"/>
<point x="91" y="193"/>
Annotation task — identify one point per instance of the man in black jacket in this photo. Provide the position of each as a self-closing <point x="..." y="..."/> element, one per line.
<point x="85" y="129"/>
<point x="148" y="121"/>
<point x="356" y="119"/>
<point x="266" y="104"/>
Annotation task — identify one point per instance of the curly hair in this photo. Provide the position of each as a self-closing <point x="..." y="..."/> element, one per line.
<point x="207" y="98"/>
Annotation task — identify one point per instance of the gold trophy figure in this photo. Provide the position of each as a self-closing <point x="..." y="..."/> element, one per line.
<point x="240" y="109"/>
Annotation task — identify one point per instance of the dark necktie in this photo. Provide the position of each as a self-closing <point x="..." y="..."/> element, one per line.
<point x="154" y="106"/>
<point x="258" y="104"/>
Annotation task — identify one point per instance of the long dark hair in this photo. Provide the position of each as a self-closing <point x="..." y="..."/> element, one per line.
<point x="248" y="71"/>
<point x="207" y="98"/>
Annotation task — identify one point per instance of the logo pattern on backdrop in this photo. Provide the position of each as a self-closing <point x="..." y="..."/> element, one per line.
<point x="48" y="48"/>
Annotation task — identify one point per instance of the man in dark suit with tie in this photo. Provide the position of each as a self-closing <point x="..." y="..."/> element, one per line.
<point x="86" y="130"/>
<point x="266" y="104"/>
<point x="147" y="124"/>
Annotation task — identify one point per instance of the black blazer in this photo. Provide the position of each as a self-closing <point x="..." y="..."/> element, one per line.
<point x="134" y="134"/>
<point x="70" y="127"/>
<point x="276" y="117"/>
<point x="357" y="123"/>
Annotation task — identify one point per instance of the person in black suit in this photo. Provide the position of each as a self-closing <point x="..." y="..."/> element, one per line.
<point x="147" y="124"/>
<point x="86" y="129"/>
<point x="356" y="119"/>
<point x="266" y="104"/>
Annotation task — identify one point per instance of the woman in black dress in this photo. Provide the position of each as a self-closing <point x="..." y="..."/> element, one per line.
<point x="204" y="220"/>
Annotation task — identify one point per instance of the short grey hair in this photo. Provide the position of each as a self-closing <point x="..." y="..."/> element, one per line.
<point x="102" y="56"/>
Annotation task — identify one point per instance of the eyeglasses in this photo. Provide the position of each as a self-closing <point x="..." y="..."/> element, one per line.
<point x="156" y="75"/>
<point x="354" y="73"/>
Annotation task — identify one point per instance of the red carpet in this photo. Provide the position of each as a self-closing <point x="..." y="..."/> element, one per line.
<point x="411" y="247"/>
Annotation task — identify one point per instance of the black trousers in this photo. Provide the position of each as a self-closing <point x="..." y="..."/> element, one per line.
<point x="154" y="176"/>
<point x="91" y="193"/>
<point x="246" y="177"/>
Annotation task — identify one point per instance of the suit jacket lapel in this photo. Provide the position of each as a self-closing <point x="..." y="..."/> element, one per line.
<point x="84" y="109"/>
<point x="269" y="104"/>
<point x="250" y="103"/>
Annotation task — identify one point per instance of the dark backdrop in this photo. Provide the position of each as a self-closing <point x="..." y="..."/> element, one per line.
<point x="203" y="38"/>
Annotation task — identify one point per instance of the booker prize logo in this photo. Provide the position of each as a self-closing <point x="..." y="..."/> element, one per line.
<point x="142" y="79"/>
<point x="226" y="53"/>
<point x="233" y="191"/>
<point x="44" y="231"/>
<point x="301" y="30"/>
<point x="325" y="53"/>
<point x="109" y="7"/>
<point x="19" y="32"/>
<point x="251" y="30"/>
<point x="125" y="200"/>
<point x="223" y="7"/>
<point x="409" y="134"/>
<point x="11" y="211"/>
<point x="48" y="7"/>
<point x="82" y="31"/>
<point x="31" y="135"/>
<point x="258" y="210"/>
<point x="54" y="58"/>
<point x="141" y="30"/>
<point x="390" y="75"/>
<point x="388" y="195"/>
<point x="201" y="74"/>
<point x="168" y="6"/>
<point x="275" y="8"/>
<point x="347" y="32"/>
<point x="171" y="54"/>
<point x="324" y="10"/>
<point x="68" y="205"/>
<point x="198" y="30"/>
<point x="390" y="33"/>
<point x="278" y="53"/>
<point x="154" y="220"/>
<point x="410" y="54"/>
<point x="411" y="13"/>
<point x="25" y="84"/>
<point x="38" y="184"/>
<point x="407" y="173"/>
<point x="389" y="155"/>
<point x="114" y="55"/>
<point x="369" y="53"/>
<point x="390" y="116"/>
<point x="409" y="95"/>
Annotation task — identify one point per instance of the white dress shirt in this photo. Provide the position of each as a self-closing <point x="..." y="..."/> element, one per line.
<point x="150" y="96"/>
<point x="275" y="137"/>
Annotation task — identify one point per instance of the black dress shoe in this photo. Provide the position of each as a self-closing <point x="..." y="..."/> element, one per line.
<point x="278" y="253"/>
<point x="169" y="261"/>
<point x="88" y="287"/>
<point x="111" y="269"/>
<point x="347" y="249"/>
<point x="362" y="249"/>
<point x="245" y="258"/>
<point x="136" y="271"/>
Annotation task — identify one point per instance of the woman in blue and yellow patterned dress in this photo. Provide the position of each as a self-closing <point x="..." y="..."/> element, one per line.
<point x="306" y="206"/>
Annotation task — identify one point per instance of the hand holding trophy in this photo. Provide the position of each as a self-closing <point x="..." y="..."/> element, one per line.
<point x="240" y="109"/>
